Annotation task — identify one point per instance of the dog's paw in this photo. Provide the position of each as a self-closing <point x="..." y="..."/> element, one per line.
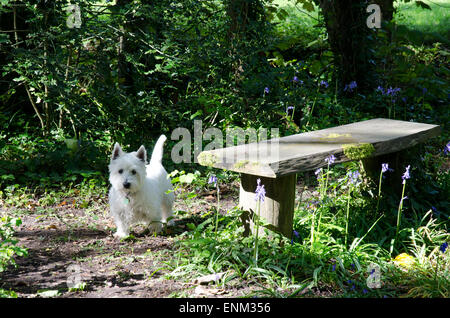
<point x="155" y="227"/>
<point x="121" y="235"/>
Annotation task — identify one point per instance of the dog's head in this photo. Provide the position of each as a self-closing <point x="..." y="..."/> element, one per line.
<point x="127" y="170"/>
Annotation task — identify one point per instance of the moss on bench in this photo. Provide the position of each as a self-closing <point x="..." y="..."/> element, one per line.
<point x="358" y="151"/>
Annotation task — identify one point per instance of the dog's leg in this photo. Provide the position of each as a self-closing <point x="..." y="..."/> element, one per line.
<point x="123" y="228"/>
<point x="155" y="227"/>
<point x="166" y="207"/>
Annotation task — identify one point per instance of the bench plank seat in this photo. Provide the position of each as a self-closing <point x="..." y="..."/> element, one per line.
<point x="276" y="161"/>
<point x="307" y="151"/>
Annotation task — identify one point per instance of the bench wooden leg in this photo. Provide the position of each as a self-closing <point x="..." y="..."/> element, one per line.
<point x="278" y="206"/>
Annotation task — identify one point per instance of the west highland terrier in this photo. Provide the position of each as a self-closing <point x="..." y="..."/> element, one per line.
<point x="139" y="192"/>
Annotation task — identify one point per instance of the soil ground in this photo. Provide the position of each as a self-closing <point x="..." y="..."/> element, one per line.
<point x="65" y="242"/>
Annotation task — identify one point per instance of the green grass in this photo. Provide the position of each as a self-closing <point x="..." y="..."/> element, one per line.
<point x="326" y="265"/>
<point x="421" y="25"/>
<point x="426" y="25"/>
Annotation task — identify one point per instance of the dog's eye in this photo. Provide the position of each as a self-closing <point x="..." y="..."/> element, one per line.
<point x="121" y="170"/>
<point x="133" y="171"/>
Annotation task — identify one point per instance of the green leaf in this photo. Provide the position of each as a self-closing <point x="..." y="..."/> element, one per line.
<point x="187" y="178"/>
<point x="197" y="113"/>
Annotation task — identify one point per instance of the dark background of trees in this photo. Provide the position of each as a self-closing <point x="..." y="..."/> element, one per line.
<point x="136" y="69"/>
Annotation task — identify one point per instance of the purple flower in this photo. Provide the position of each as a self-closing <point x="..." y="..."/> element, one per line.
<point x="424" y="90"/>
<point x="333" y="268"/>
<point x="266" y="90"/>
<point x="295" y="79"/>
<point x="435" y="211"/>
<point x="350" y="87"/>
<point x="212" y="179"/>
<point x="330" y="160"/>
<point x="384" y="167"/>
<point x="295" y="234"/>
<point x="392" y="91"/>
<point x="406" y="174"/>
<point x="447" y="148"/>
<point x="443" y="247"/>
<point x="317" y="173"/>
<point x="289" y="108"/>
<point x="323" y="83"/>
<point x="380" y="89"/>
<point x="260" y="191"/>
<point x="353" y="176"/>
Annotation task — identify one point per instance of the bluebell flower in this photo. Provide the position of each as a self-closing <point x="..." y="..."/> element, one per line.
<point x="447" y="148"/>
<point x="353" y="176"/>
<point x="323" y="83"/>
<point x="424" y="90"/>
<point x="295" y="79"/>
<point x="333" y="268"/>
<point x="364" y="291"/>
<point x="266" y="90"/>
<point x="289" y="108"/>
<point x="384" y="167"/>
<point x="317" y="173"/>
<point x="443" y="247"/>
<point x="392" y="91"/>
<point x="406" y="174"/>
<point x="330" y="159"/>
<point x="380" y="89"/>
<point x="350" y="87"/>
<point x="435" y="211"/>
<point x="294" y="234"/>
<point x="260" y="191"/>
<point x="212" y="179"/>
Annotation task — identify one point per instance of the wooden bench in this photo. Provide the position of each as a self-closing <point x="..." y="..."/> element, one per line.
<point x="276" y="161"/>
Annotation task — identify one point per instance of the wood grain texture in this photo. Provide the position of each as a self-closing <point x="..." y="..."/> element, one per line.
<point x="307" y="151"/>
<point x="278" y="206"/>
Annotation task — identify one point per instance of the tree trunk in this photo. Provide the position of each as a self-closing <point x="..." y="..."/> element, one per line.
<point x="348" y="33"/>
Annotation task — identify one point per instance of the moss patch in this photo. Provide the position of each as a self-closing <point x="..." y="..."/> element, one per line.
<point x="358" y="151"/>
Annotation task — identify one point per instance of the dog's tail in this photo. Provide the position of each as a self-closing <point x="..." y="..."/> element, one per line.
<point x="157" y="153"/>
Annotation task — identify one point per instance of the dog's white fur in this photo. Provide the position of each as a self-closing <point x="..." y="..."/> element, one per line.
<point x="146" y="199"/>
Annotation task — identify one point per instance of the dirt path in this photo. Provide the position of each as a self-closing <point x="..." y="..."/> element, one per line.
<point x="65" y="243"/>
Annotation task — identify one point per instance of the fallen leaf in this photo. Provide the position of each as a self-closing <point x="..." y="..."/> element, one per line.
<point x="51" y="226"/>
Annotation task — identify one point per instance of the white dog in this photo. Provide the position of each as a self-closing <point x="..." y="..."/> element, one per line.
<point x="139" y="192"/>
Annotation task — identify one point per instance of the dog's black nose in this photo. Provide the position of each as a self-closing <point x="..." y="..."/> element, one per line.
<point x="126" y="185"/>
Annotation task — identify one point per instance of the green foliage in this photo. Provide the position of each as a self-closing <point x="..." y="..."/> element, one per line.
<point x="9" y="248"/>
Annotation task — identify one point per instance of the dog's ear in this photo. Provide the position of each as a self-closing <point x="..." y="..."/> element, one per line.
<point x="142" y="154"/>
<point x="117" y="151"/>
